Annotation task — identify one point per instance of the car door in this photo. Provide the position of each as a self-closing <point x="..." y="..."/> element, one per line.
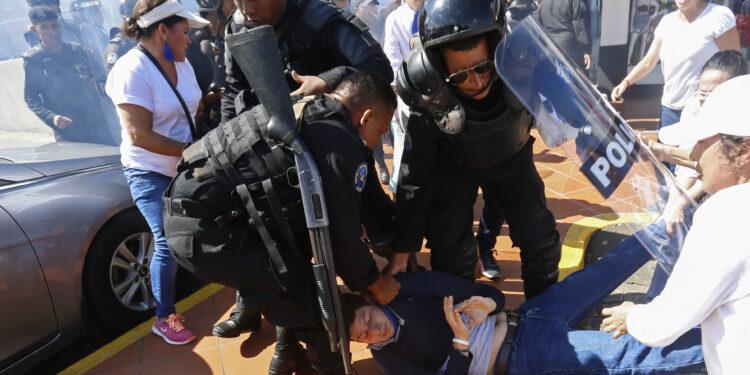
<point x="27" y="317"/>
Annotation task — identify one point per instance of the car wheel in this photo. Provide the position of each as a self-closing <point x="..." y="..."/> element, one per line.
<point x="117" y="282"/>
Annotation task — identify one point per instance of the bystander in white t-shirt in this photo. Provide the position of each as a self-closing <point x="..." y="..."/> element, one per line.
<point x="134" y="79"/>
<point x="710" y="286"/>
<point x="398" y="32"/>
<point x="686" y="47"/>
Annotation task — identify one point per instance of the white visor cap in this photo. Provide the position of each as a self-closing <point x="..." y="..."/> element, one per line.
<point x="168" y="9"/>
<point x="724" y="112"/>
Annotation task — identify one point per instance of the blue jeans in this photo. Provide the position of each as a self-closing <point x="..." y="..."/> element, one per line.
<point x="547" y="342"/>
<point x="147" y="187"/>
<point x="669" y="117"/>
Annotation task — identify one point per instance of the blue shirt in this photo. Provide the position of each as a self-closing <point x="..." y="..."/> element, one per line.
<point x="424" y="339"/>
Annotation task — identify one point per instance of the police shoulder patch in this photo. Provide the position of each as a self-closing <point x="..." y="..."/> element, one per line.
<point x="111" y="58"/>
<point x="360" y="177"/>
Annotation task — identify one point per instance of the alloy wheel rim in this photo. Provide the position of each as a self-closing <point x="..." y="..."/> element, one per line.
<point x="129" y="275"/>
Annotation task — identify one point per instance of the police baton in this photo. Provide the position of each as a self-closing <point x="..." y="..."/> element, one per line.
<point x="257" y="55"/>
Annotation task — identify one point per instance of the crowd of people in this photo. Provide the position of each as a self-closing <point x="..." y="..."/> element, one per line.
<point x="419" y="74"/>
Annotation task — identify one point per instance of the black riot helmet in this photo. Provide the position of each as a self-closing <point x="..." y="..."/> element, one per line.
<point x="421" y="80"/>
<point x="127" y="7"/>
<point x="205" y="6"/>
<point x="443" y="21"/>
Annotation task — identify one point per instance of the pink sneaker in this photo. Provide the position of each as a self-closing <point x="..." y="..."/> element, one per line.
<point x="172" y="330"/>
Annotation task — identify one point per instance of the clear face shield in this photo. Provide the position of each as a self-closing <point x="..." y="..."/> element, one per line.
<point x="572" y="116"/>
<point x="53" y="104"/>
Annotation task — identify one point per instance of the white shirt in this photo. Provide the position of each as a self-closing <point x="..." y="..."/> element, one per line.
<point x="397" y="36"/>
<point x="134" y="79"/>
<point x="686" y="47"/>
<point x="710" y="286"/>
<point x="396" y="44"/>
<point x="691" y="109"/>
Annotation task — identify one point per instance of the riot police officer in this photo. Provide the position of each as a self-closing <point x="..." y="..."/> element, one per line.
<point x="119" y="44"/>
<point x="63" y="83"/>
<point x="467" y="130"/>
<point x="70" y="32"/>
<point x="319" y="45"/>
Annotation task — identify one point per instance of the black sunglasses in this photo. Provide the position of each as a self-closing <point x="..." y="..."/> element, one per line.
<point x="461" y="75"/>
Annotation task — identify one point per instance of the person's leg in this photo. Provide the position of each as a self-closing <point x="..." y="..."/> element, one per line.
<point x="319" y="353"/>
<point x="379" y="156"/>
<point x="572" y="299"/>
<point x="668" y="117"/>
<point x="147" y="188"/>
<point x="449" y="234"/>
<point x="398" y="149"/>
<point x="241" y="319"/>
<point x="556" y="350"/>
<point x="288" y="356"/>
<point x="668" y="250"/>
<point x="490" y="223"/>
<point x="531" y="224"/>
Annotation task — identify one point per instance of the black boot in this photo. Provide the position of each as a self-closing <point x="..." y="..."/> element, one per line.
<point x="289" y="356"/>
<point x="242" y="319"/>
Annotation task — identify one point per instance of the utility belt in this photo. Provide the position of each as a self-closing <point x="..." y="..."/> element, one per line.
<point x="501" y="362"/>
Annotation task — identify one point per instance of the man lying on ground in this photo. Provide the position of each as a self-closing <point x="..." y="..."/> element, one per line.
<point x="423" y="332"/>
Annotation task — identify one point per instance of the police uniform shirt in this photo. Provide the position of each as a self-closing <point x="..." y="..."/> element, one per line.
<point x="118" y="46"/>
<point x="316" y="39"/>
<point x="352" y="189"/>
<point x="64" y="83"/>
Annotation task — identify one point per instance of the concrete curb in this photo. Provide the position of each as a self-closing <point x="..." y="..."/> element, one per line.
<point x="578" y="236"/>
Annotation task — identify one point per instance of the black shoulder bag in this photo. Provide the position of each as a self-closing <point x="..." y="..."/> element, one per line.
<point x="193" y="131"/>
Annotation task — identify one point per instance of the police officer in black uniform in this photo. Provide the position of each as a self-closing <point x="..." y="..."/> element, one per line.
<point x="467" y="130"/>
<point x="64" y="83"/>
<point x="71" y="33"/>
<point x="119" y="44"/>
<point x="319" y="45"/>
<point x="206" y="55"/>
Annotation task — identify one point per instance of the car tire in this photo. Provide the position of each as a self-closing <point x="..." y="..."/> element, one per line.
<point x="116" y="279"/>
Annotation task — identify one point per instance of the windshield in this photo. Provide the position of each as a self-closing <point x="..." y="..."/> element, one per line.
<point x="53" y="68"/>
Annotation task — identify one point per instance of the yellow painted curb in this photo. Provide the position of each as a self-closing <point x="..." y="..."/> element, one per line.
<point x="135" y="334"/>
<point x="579" y="234"/>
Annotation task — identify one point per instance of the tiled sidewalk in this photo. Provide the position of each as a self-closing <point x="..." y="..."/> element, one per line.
<point x="570" y="197"/>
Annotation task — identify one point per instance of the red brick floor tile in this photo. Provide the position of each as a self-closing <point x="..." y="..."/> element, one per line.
<point x="206" y="361"/>
<point x="364" y="363"/>
<point x="205" y="307"/>
<point x="125" y="370"/>
<point x="247" y="357"/>
<point x="154" y="347"/>
<point x="125" y="357"/>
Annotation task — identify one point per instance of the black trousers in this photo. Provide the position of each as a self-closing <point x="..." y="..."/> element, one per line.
<point x="297" y="311"/>
<point x="513" y="188"/>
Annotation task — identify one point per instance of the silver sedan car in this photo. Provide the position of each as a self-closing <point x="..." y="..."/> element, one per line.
<point x="74" y="249"/>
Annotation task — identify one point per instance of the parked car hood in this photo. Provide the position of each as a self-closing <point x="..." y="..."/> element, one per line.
<point x="22" y="163"/>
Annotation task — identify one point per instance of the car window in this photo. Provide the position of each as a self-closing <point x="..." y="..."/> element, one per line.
<point x="53" y="71"/>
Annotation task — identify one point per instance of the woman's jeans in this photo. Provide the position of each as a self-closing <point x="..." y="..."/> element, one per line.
<point x="147" y="187"/>
<point x="547" y="342"/>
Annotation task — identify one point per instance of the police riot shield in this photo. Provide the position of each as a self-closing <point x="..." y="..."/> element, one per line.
<point x="573" y="116"/>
